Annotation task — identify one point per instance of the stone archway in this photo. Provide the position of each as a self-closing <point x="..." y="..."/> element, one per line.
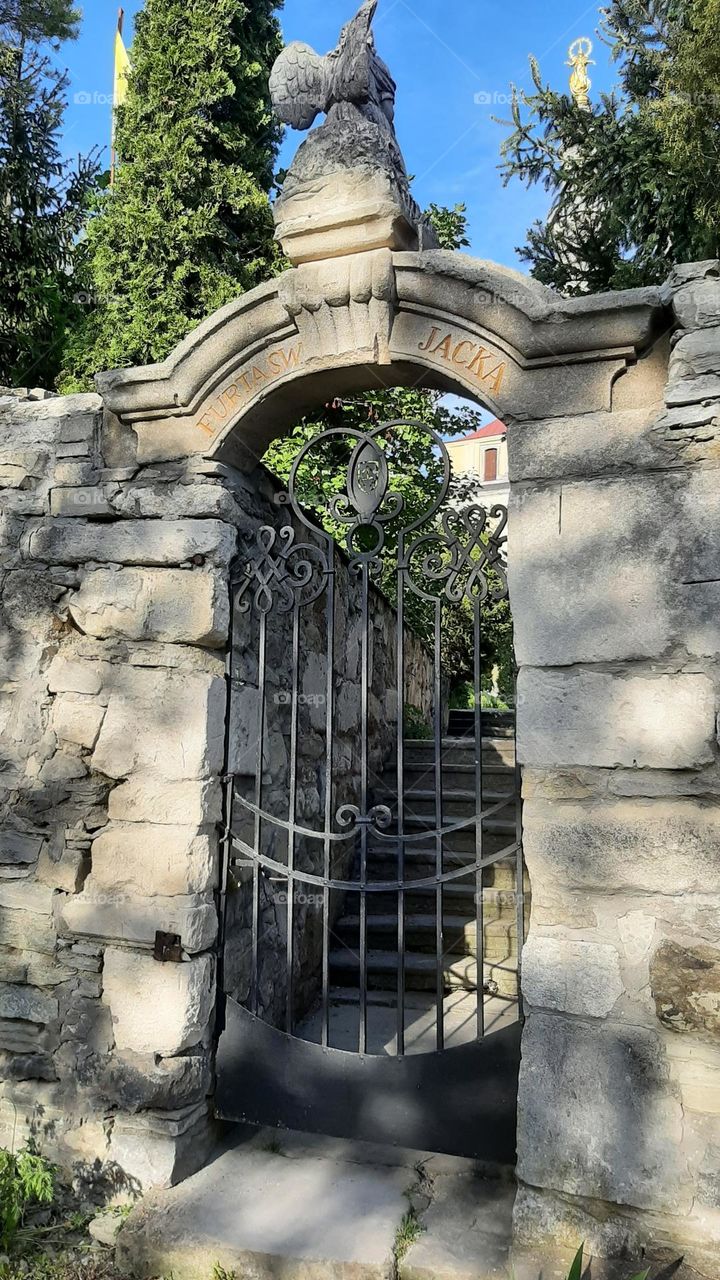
<point x="117" y="563"/>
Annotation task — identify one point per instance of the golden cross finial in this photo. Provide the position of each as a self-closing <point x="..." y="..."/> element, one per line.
<point x="580" y="82"/>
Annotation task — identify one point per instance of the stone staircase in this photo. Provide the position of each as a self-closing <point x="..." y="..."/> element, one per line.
<point x="459" y="949"/>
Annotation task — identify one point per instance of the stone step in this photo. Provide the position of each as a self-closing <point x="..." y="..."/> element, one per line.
<point x="457" y="802"/>
<point x="419" y="775"/>
<point x="420" y="971"/>
<point x="293" y="1205"/>
<point x="458" y="899"/>
<point x="496" y="751"/>
<point x="459" y="934"/>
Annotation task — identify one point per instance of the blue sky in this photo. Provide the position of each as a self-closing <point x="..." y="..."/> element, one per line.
<point x="443" y="55"/>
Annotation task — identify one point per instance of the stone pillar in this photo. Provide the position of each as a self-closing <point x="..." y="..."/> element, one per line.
<point x="615" y="588"/>
<point x="115" y="619"/>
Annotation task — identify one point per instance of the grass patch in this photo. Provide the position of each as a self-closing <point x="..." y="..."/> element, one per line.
<point x="407" y="1234"/>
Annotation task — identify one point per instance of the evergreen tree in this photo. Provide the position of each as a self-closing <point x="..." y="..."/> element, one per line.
<point x="187" y="226"/>
<point x="626" y="203"/>
<point x="42" y="199"/>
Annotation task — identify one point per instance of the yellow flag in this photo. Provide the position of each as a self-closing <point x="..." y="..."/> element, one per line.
<point x="122" y="66"/>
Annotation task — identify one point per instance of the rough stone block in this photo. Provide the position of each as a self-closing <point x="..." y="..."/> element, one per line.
<point x="685" y="984"/>
<point x="138" y="857"/>
<point x="80" y="501"/>
<point x="600" y="551"/>
<point x="171" y="605"/>
<point x="66" y="676"/>
<point x="77" y="719"/>
<point x="642" y="846"/>
<point x="161" y="542"/>
<point x="598" y="1115"/>
<point x="25" y="1004"/>
<point x="136" y="1082"/>
<point x="158" y="1008"/>
<point x="571" y="977"/>
<point x="148" y="799"/>
<point x="179" y="501"/>
<point x="18" y="848"/>
<point x="592" y="718"/>
<point x="587" y="445"/>
<point x="697" y="304"/>
<point x="696" y="353"/>
<point x="98" y="914"/>
<point x="158" y="1156"/>
<point x="163" y="722"/>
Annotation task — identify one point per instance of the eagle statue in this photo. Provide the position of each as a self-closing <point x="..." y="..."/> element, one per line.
<point x="303" y="84"/>
<point x="355" y="91"/>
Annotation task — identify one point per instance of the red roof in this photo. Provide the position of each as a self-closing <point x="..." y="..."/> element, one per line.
<point x="494" y="428"/>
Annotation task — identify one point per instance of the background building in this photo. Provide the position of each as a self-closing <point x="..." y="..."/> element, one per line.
<point x="484" y="456"/>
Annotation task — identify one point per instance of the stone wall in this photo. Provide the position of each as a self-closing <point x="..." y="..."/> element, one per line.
<point x="115" y="619"/>
<point x="615" y="586"/>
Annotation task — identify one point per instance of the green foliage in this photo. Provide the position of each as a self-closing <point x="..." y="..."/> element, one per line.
<point x="462" y="698"/>
<point x="635" y="179"/>
<point x="43" y="199"/>
<point x="25" y="1179"/>
<point x="187" y="226"/>
<point x="576" y="1271"/>
<point x="415" y="724"/>
<point x="407" y="1234"/>
<point x="450" y="225"/>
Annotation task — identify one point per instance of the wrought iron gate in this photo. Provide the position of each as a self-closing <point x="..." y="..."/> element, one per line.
<point x="373" y="856"/>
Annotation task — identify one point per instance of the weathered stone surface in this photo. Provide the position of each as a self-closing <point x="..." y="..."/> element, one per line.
<point x="572" y="1139"/>
<point x="571" y="977"/>
<point x="589" y="444"/>
<point x="466" y="1231"/>
<point x="18" y="848"/>
<point x="137" y="1082"/>
<point x="26" y="1004"/>
<point x="685" y="983"/>
<point x="162" y="1154"/>
<point x="162" y="722"/>
<point x="147" y="799"/>
<point x="158" y="1008"/>
<point x="338" y="1219"/>
<point x="98" y="914"/>
<point x="77" y="719"/>
<point x="80" y="501"/>
<point x="148" y="542"/>
<point x="66" y="676"/>
<point x="696" y="353"/>
<point x="645" y="846"/>
<point x="591" y="718"/>
<point x="697" y="304"/>
<point x="637" y="930"/>
<point x="138" y="858"/>
<point x="63" y="868"/>
<point x="179" y="501"/>
<point x="170" y="605"/>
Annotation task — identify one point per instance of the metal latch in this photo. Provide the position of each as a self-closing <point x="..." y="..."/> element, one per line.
<point x="168" y="947"/>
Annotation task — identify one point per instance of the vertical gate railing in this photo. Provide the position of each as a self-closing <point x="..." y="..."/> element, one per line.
<point x="447" y="556"/>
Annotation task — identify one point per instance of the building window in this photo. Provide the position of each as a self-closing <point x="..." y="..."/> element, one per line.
<point x="490" y="465"/>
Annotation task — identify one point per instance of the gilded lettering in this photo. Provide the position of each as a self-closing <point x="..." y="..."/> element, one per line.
<point x="478" y="361"/>
<point x="456" y="358"/>
<point x="443" y="348"/>
<point x="426" y="346"/>
<point x="497" y="376"/>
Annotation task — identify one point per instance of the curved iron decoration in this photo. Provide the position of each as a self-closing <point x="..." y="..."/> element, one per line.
<point x="446" y="556"/>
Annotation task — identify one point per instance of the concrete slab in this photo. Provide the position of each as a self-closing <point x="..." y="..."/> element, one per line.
<point x="265" y="1217"/>
<point x="467" y="1231"/>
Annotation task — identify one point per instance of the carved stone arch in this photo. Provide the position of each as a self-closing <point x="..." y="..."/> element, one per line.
<point x="383" y="318"/>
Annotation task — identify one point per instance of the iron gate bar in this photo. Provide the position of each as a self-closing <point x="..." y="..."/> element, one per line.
<point x="374" y="886"/>
<point x="287" y="575"/>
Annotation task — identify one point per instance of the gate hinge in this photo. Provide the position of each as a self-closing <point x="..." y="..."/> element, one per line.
<point x="168" y="947"/>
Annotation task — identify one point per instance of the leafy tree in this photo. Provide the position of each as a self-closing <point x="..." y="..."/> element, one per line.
<point x="43" y="200"/>
<point x="187" y="225"/>
<point x="630" y="193"/>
